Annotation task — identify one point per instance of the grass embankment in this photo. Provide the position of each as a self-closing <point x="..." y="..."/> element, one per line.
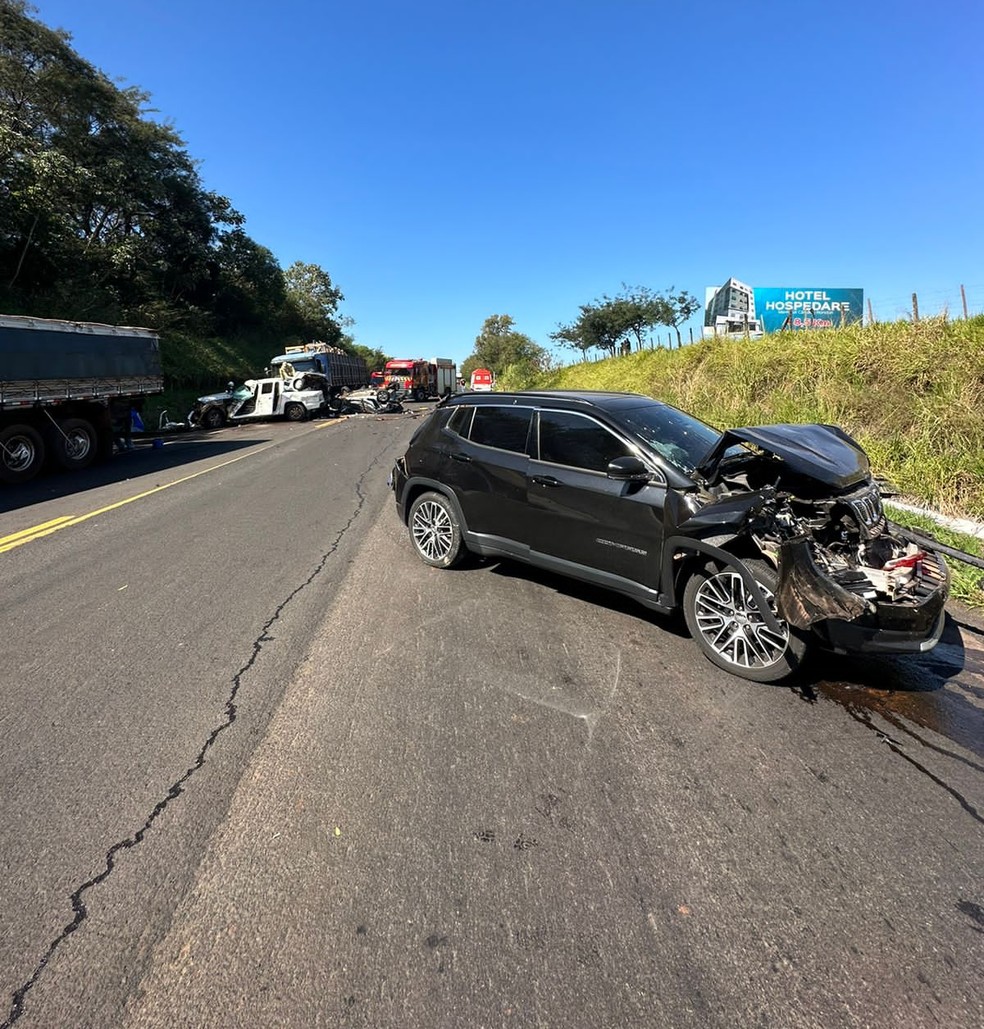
<point x="911" y="394"/>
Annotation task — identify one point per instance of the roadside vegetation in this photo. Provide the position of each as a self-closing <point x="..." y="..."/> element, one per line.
<point x="911" y="393"/>
<point x="104" y="218"/>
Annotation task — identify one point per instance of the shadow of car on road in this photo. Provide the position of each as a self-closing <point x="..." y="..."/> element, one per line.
<point x="143" y="459"/>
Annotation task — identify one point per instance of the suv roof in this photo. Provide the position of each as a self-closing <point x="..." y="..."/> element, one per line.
<point x="608" y="401"/>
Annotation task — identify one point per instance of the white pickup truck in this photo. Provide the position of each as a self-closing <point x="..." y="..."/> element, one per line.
<point x="295" y="399"/>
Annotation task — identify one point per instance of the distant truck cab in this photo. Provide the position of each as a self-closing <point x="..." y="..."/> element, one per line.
<point x="377" y="379"/>
<point x="342" y="370"/>
<point x="482" y="380"/>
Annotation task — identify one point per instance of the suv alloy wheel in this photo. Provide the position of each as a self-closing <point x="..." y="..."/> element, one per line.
<point x="435" y="531"/>
<point x="726" y="624"/>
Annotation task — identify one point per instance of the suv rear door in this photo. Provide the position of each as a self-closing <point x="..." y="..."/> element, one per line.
<point x="488" y="470"/>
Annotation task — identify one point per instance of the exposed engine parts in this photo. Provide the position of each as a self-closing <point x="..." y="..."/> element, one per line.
<point x="835" y="554"/>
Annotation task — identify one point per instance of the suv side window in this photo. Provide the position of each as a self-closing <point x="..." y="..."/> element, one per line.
<point x="578" y="441"/>
<point x="506" y="428"/>
<point x="460" y="420"/>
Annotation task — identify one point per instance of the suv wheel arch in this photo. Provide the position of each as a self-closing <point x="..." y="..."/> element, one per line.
<point x="416" y="486"/>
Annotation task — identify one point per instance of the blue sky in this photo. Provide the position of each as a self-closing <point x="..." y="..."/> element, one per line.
<point x="449" y="161"/>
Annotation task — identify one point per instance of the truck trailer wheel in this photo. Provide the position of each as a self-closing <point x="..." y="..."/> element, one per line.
<point x="74" y="444"/>
<point x="21" y="453"/>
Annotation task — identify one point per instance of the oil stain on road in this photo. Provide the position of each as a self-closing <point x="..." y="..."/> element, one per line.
<point x="939" y="693"/>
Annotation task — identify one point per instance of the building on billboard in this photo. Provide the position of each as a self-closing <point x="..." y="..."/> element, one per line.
<point x="737" y="309"/>
<point x="729" y="310"/>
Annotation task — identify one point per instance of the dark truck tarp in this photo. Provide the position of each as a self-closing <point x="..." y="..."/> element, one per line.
<point x="40" y="350"/>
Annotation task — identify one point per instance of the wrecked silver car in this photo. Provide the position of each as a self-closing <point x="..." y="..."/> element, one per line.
<point x="770" y="539"/>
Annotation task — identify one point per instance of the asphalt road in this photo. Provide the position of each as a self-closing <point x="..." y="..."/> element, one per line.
<point x="263" y="767"/>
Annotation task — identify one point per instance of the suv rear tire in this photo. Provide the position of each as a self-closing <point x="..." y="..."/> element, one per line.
<point x="728" y="627"/>
<point x="435" y="531"/>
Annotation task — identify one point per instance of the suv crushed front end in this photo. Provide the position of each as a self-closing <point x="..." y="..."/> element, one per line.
<point x="846" y="573"/>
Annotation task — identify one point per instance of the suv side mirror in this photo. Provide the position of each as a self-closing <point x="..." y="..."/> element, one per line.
<point x="629" y="469"/>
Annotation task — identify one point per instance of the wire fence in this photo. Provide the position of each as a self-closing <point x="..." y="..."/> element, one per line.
<point x="960" y="301"/>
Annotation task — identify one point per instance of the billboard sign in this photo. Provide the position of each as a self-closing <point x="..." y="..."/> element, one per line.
<point x="807" y="308"/>
<point x="739" y="309"/>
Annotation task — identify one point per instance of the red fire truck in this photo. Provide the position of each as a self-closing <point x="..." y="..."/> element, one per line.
<point x="422" y="378"/>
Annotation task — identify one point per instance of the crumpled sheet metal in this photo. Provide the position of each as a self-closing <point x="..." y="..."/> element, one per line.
<point x="805" y="595"/>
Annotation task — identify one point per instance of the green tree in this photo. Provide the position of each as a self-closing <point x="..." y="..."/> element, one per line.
<point x="572" y="336"/>
<point x="373" y="356"/>
<point x="602" y="325"/>
<point x="247" y="285"/>
<point x="638" y="309"/>
<point x="101" y="208"/>
<point x="103" y="216"/>
<point x="499" y="346"/>
<point x="611" y="324"/>
<point x="681" y="306"/>
<point x="313" y="299"/>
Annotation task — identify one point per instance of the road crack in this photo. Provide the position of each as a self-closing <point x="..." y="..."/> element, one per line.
<point x="77" y="898"/>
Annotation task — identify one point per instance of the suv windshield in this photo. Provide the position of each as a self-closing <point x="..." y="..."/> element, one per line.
<point x="680" y="438"/>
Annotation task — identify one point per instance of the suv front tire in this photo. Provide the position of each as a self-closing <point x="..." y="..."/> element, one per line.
<point x="726" y="624"/>
<point x="435" y="530"/>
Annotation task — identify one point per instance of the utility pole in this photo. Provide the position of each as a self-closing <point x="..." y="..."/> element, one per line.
<point x="915" y="308"/>
<point x="963" y="297"/>
<point x="871" y="314"/>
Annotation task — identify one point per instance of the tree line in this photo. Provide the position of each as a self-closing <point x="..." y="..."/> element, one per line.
<point x="104" y="217"/>
<point x="614" y="324"/>
<point x="610" y="324"/>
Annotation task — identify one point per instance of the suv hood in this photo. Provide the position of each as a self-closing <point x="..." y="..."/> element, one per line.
<point x="820" y="452"/>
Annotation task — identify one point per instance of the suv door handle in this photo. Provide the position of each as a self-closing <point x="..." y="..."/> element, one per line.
<point x="464" y="458"/>
<point x="546" y="480"/>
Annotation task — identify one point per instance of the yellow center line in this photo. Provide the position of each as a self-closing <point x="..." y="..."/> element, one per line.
<point x="32" y="532"/>
<point x="37" y="532"/>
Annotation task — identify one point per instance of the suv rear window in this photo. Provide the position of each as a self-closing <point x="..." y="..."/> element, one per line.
<point x="460" y="420"/>
<point x="503" y="427"/>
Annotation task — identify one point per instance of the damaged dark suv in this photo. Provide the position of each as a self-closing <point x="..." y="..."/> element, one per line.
<point x="770" y="539"/>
